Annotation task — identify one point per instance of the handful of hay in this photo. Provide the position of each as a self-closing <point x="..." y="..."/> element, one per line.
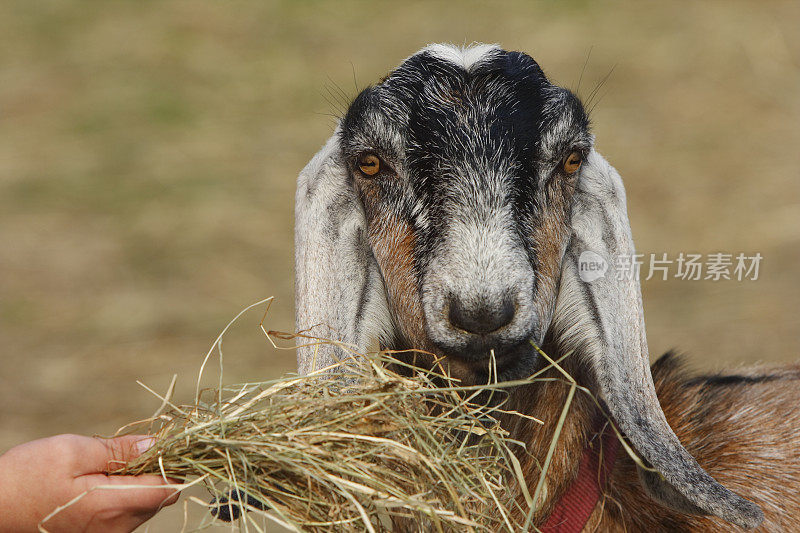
<point x="360" y="447"/>
<point x="374" y="443"/>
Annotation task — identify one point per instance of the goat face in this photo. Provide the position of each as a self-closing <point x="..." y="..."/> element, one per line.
<point x="449" y="212"/>
<point x="467" y="200"/>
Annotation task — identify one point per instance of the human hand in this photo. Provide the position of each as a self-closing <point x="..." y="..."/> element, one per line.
<point x="39" y="476"/>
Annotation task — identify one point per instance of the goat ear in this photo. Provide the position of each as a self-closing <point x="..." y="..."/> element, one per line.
<point x="601" y="318"/>
<point x="339" y="294"/>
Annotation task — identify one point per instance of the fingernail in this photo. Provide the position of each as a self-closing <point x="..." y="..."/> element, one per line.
<point x="145" y="444"/>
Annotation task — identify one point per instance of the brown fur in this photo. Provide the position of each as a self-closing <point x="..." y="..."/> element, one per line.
<point x="549" y="237"/>
<point x="742" y="427"/>
<point x="545" y="401"/>
<point x="393" y="245"/>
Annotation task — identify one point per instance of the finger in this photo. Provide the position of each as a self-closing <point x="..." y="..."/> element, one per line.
<point x="134" y="494"/>
<point x="108" y="455"/>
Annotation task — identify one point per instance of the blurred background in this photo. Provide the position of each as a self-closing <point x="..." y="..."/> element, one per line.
<point x="149" y="149"/>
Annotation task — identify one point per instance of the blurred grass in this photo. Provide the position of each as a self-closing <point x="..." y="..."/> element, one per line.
<point x="148" y="151"/>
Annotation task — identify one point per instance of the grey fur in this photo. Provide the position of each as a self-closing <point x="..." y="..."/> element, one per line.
<point x="339" y="293"/>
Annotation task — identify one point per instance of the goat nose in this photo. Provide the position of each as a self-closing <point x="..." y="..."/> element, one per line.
<point x="482" y="318"/>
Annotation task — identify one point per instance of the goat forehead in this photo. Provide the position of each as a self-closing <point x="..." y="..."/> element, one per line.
<point x="464" y="118"/>
<point x="444" y="104"/>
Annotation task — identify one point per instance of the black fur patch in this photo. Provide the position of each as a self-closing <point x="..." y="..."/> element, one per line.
<point x="672" y="363"/>
<point x="721" y="380"/>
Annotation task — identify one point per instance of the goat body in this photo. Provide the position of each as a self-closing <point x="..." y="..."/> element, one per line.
<point x="743" y="428"/>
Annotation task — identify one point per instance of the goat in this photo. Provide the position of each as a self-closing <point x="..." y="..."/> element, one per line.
<point x="448" y="213"/>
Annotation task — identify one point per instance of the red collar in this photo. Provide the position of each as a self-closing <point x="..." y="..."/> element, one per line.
<point x="572" y="511"/>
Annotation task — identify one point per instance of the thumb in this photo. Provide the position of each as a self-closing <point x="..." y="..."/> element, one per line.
<point x="108" y="455"/>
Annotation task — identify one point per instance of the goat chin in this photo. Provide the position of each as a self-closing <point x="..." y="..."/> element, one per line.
<point x="741" y="427"/>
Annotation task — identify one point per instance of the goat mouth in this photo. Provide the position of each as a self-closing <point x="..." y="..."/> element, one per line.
<point x="502" y="364"/>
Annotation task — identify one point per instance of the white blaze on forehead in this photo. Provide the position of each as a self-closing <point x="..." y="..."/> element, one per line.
<point x="467" y="57"/>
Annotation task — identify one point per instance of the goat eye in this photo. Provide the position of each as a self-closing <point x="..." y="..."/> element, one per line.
<point x="369" y="164"/>
<point x="573" y="162"/>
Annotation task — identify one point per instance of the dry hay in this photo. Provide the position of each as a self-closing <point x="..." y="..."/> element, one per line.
<point x="373" y="443"/>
